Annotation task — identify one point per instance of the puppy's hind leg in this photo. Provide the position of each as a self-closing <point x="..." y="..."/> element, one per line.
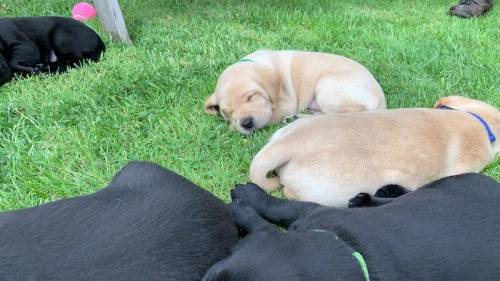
<point x="279" y="211"/>
<point x="342" y="94"/>
<point x="24" y="57"/>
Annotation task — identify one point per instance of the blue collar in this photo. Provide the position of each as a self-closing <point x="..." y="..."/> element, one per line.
<point x="491" y="135"/>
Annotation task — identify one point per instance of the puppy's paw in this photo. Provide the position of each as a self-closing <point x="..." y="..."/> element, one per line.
<point x="32" y="70"/>
<point x="41" y="67"/>
<point x="242" y="212"/>
<point x="360" y="200"/>
<point x="248" y="194"/>
<point x="245" y="217"/>
<point x="391" y="191"/>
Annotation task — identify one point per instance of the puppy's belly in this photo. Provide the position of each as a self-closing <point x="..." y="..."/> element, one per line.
<point x="314" y="184"/>
<point x="335" y="187"/>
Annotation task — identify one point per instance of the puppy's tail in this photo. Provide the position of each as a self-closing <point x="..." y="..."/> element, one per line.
<point x="269" y="158"/>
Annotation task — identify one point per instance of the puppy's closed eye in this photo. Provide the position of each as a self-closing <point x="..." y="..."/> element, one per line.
<point x="252" y="96"/>
<point x="225" y="114"/>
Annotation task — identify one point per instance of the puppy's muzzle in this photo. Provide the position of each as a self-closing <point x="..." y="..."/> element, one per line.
<point x="247" y="123"/>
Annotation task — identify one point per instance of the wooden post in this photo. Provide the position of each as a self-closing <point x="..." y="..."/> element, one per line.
<point x="111" y="17"/>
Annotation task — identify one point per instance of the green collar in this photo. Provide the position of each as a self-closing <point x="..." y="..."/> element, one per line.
<point x="357" y="255"/>
<point x="245" y="60"/>
<point x="363" y="265"/>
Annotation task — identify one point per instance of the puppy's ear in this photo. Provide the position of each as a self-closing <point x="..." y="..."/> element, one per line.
<point x="271" y="85"/>
<point x="217" y="272"/>
<point x="211" y="105"/>
<point x="439" y="103"/>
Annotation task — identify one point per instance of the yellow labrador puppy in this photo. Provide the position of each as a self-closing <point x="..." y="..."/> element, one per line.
<point x="330" y="158"/>
<point x="266" y="86"/>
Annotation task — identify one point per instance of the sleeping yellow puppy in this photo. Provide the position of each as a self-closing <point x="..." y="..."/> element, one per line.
<point x="266" y="86"/>
<point x="330" y="158"/>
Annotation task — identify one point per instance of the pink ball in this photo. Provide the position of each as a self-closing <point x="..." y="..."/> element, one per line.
<point x="83" y="11"/>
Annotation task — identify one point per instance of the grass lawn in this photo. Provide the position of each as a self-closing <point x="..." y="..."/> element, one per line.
<point x="67" y="135"/>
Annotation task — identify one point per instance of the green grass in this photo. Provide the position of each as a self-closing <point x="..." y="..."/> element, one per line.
<point x="67" y="135"/>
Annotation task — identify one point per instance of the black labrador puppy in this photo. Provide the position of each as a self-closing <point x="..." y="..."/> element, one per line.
<point x="32" y="45"/>
<point x="448" y="230"/>
<point x="148" y="224"/>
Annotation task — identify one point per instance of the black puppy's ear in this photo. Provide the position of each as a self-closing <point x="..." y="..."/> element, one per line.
<point x="217" y="273"/>
<point x="211" y="105"/>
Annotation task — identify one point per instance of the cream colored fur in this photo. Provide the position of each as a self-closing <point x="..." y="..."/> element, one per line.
<point x="276" y="84"/>
<point x="330" y="158"/>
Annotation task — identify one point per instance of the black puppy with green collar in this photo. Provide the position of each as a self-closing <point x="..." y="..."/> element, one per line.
<point x="31" y="45"/>
<point x="448" y="230"/>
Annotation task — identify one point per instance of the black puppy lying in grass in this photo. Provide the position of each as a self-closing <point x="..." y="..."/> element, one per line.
<point x="449" y="230"/>
<point x="148" y="224"/>
<point x="45" y="45"/>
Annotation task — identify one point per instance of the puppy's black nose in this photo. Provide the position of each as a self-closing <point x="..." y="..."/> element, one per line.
<point x="247" y="123"/>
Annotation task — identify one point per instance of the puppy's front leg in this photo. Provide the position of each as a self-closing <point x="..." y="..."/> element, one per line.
<point x="248" y="219"/>
<point x="42" y="68"/>
<point x="279" y="211"/>
<point x="56" y="67"/>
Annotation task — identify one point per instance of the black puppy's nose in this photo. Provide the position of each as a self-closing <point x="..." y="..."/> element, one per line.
<point x="247" y="123"/>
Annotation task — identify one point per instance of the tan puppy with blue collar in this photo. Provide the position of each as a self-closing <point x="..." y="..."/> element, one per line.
<point x="330" y="158"/>
<point x="266" y="86"/>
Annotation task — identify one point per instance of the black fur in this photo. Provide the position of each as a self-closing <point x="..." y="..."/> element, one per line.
<point x="26" y="44"/>
<point x="391" y="191"/>
<point x="5" y="73"/>
<point x="383" y="196"/>
<point x="148" y="224"/>
<point x="448" y="230"/>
